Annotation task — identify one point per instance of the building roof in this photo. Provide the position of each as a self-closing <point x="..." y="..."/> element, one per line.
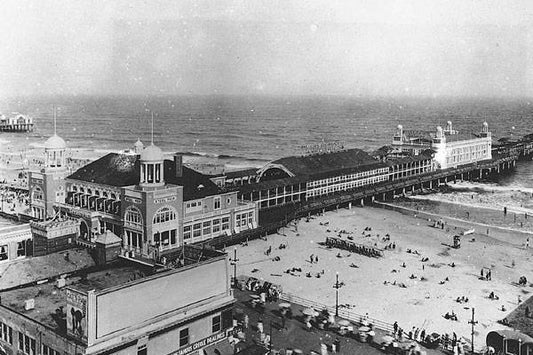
<point x="55" y="142"/>
<point x="120" y="170"/>
<point x="42" y="267"/>
<point x="152" y="153"/>
<point x="460" y="137"/>
<point x="407" y="159"/>
<point x="48" y="298"/>
<point x="107" y="238"/>
<point x="322" y="165"/>
<point x="241" y="173"/>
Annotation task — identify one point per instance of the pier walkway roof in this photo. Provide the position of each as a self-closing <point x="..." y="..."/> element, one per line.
<point x="323" y="165"/>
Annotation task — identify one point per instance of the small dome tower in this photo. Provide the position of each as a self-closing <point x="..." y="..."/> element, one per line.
<point x="54" y="151"/>
<point x="151" y="167"/>
<point x="152" y="164"/>
<point x="485" y="133"/>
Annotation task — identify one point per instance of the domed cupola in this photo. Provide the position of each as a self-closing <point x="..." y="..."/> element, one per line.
<point x="54" y="150"/>
<point x="151" y="166"/>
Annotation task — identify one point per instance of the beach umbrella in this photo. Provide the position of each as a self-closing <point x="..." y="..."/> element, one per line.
<point x="284" y="305"/>
<point x="344" y="322"/>
<point x="364" y="329"/>
<point x="310" y="312"/>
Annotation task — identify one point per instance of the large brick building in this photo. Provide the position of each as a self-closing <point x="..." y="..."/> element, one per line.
<point x="155" y="205"/>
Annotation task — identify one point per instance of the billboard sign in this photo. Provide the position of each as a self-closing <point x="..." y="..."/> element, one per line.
<point x="76" y="314"/>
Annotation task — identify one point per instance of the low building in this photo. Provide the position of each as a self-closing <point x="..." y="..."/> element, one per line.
<point x="15" y="242"/>
<point x="451" y="148"/>
<point x="123" y="307"/>
<point x="54" y="235"/>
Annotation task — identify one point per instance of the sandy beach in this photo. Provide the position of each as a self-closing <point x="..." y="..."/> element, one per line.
<point x="423" y="302"/>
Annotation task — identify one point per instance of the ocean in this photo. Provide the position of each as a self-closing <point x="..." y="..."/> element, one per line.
<point x="248" y="131"/>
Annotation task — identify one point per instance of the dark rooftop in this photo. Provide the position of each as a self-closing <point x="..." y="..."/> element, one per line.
<point x="323" y="165"/>
<point x="124" y="170"/>
<point x="240" y="173"/>
<point x="84" y="277"/>
<point x="42" y="267"/>
<point x="48" y="297"/>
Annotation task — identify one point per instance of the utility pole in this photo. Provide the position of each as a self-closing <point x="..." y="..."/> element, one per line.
<point x="270" y="340"/>
<point x="234" y="263"/>
<point x="473" y="322"/>
<point x="336" y="286"/>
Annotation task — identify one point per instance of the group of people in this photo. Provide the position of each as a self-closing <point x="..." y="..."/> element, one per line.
<point x="462" y="299"/>
<point x="353" y="247"/>
<point x="486" y="275"/>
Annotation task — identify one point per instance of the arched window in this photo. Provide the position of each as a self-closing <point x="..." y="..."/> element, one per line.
<point x="164" y="214"/>
<point x="133" y="218"/>
<point x="37" y="194"/>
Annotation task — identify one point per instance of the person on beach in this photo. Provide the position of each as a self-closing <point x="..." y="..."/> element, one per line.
<point x="260" y="326"/>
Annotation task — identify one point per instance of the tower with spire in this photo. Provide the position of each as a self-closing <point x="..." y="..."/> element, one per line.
<point x="47" y="186"/>
<point x="155" y="204"/>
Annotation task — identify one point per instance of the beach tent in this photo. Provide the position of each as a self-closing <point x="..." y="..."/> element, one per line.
<point x="510" y="342"/>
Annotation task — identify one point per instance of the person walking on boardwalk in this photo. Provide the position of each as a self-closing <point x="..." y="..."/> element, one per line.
<point x="246" y="321"/>
<point x="260" y="325"/>
<point x="312" y="258"/>
<point x="395" y="327"/>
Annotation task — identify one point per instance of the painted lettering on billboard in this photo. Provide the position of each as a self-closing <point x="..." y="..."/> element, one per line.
<point x="76" y="314"/>
<point x="200" y="344"/>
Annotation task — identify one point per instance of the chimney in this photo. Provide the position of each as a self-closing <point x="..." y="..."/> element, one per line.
<point x="29" y="304"/>
<point x="178" y="164"/>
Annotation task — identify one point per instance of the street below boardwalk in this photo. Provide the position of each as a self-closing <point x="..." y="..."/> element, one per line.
<point x="295" y="335"/>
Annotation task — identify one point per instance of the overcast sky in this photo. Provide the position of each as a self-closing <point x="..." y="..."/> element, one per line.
<point x="348" y="47"/>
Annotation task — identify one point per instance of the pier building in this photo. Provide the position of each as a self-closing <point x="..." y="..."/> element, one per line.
<point x="305" y="178"/>
<point x="452" y="148"/>
<point x="154" y="204"/>
<point x="83" y="310"/>
<point x="16" y="122"/>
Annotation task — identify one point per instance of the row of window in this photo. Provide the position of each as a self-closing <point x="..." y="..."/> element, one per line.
<point x="349" y="177"/>
<point x="89" y="191"/>
<point x="26" y="344"/>
<point x="21" y="250"/>
<point x="345" y="186"/>
<point x="216" y="326"/>
<point x="165" y="214"/>
<point x="196" y="206"/>
<point x="280" y="200"/>
<point x="166" y="239"/>
<point x="206" y="228"/>
<point x="244" y="220"/>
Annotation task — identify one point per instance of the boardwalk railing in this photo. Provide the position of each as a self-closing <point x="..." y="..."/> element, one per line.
<point x="358" y="319"/>
<point x="355" y="318"/>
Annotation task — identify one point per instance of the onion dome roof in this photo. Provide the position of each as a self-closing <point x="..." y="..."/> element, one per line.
<point x="55" y="142"/>
<point x="152" y="153"/>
